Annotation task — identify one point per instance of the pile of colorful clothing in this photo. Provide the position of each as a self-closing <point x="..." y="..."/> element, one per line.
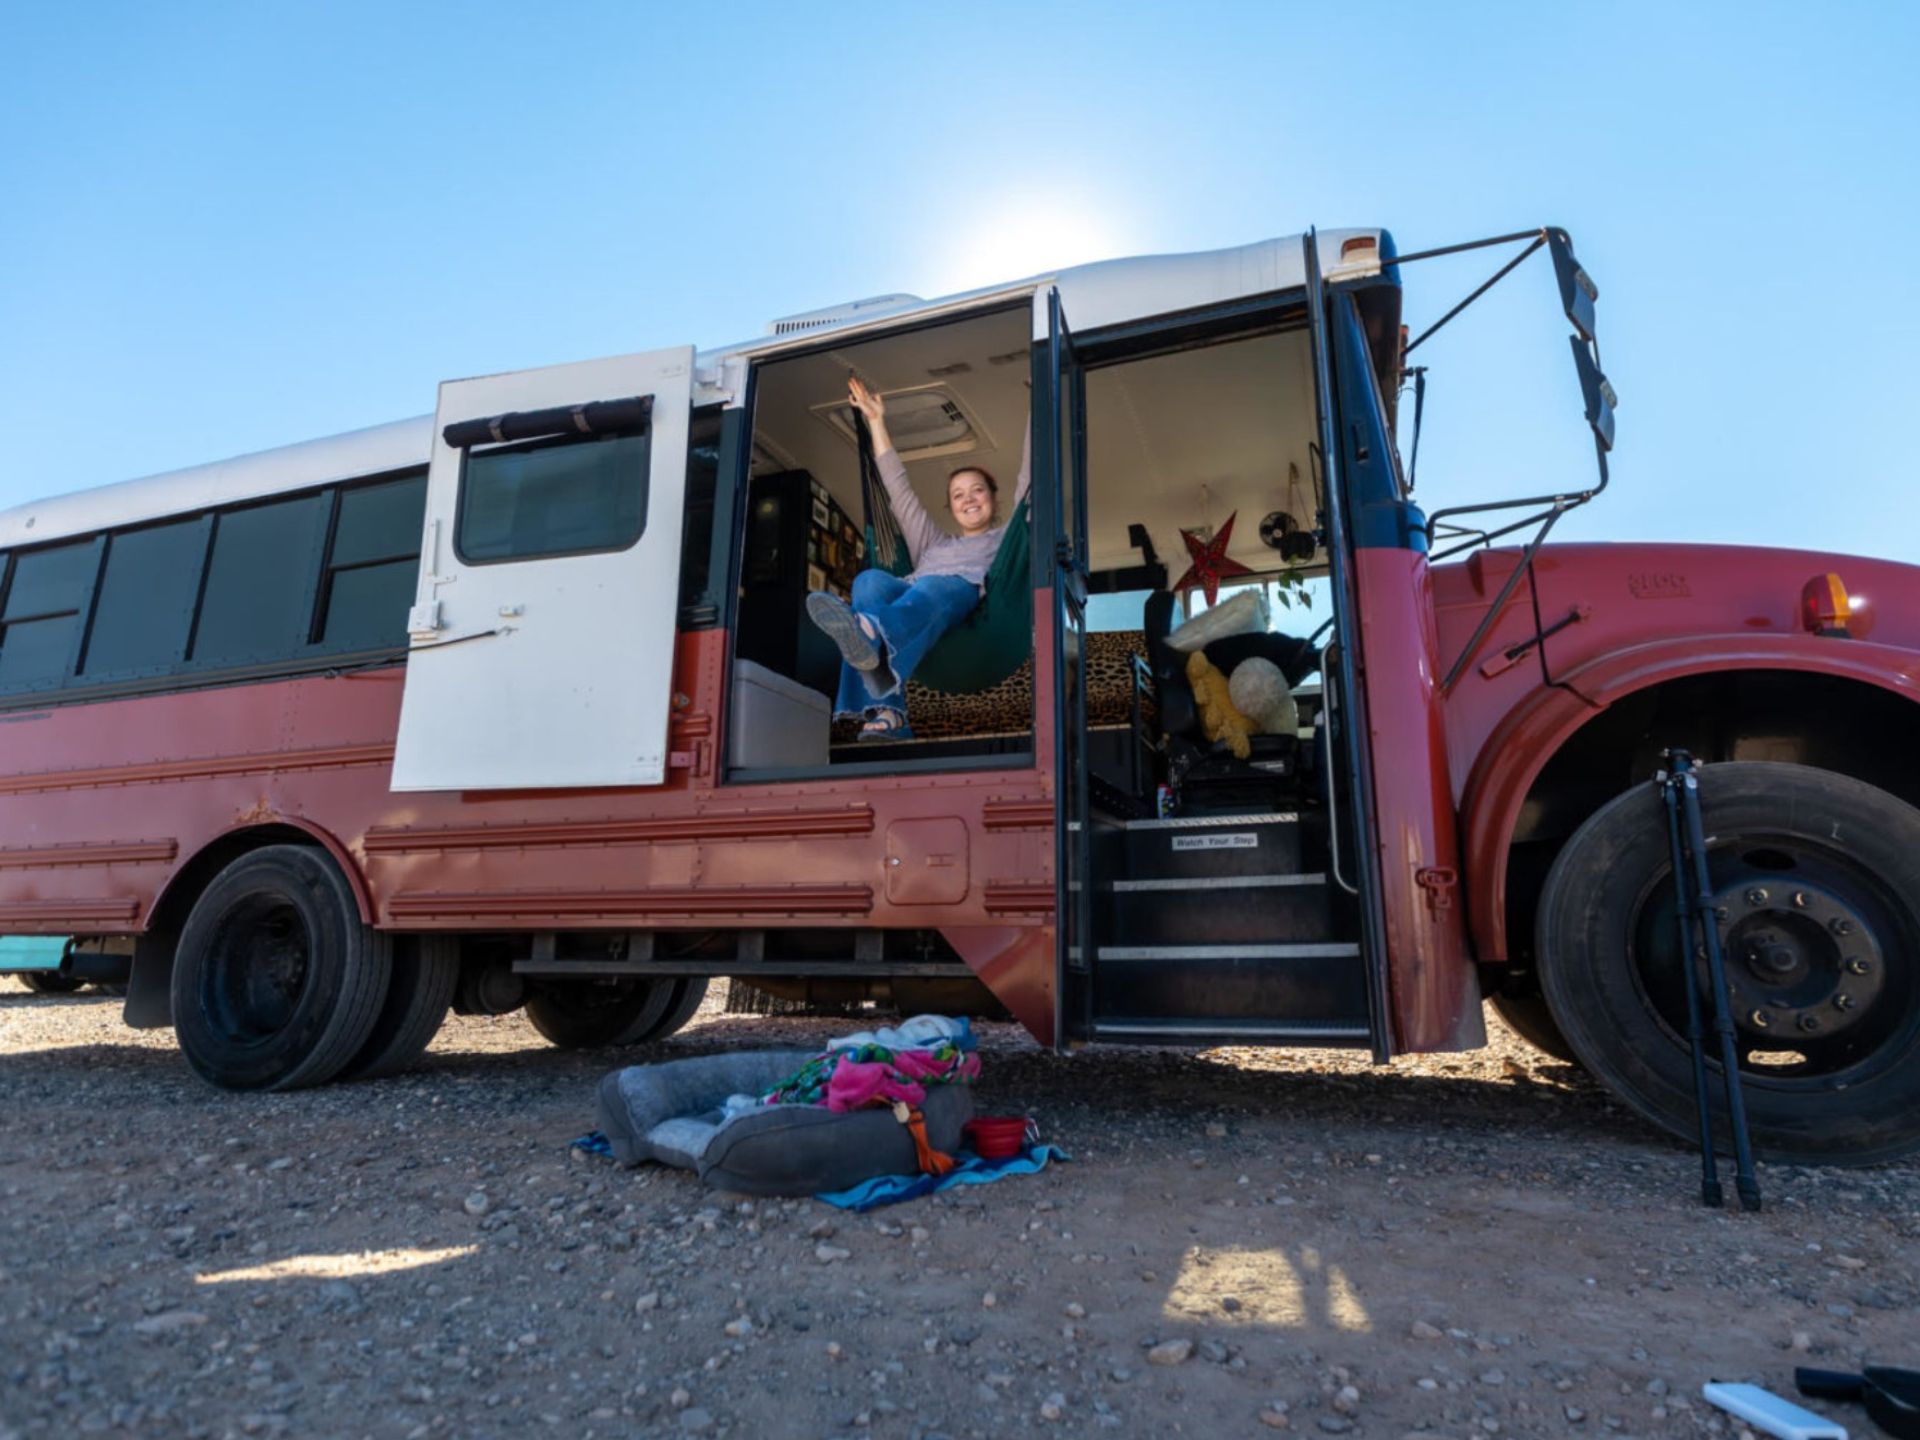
<point x="879" y="1067"/>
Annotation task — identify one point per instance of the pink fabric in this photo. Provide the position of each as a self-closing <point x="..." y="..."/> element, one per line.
<point x="858" y="1084"/>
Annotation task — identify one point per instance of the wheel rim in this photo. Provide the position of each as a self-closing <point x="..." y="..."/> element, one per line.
<point x="261" y="957"/>
<point x="1816" y="954"/>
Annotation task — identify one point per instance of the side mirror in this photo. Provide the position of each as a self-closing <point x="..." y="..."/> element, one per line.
<point x="1577" y="290"/>
<point x="1595" y="390"/>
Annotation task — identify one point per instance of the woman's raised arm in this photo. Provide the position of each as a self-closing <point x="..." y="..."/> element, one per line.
<point x="916" y="525"/>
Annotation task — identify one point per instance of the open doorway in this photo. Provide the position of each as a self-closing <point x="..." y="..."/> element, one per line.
<point x="956" y="395"/>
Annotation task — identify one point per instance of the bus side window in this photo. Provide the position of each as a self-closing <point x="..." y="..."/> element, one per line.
<point x="41" y="618"/>
<point x="258" y="581"/>
<point x="145" y="605"/>
<point x="372" y="565"/>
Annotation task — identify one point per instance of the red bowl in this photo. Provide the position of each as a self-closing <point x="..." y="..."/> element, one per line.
<point x="997" y="1137"/>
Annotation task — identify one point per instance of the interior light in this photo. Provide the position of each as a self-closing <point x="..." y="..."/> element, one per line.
<point x="1356" y="244"/>
<point x="1825" y="606"/>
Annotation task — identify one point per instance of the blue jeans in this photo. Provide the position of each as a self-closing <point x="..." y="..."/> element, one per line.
<point x="910" y="616"/>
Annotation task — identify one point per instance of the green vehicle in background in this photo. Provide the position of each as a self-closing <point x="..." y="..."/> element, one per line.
<point x="36" y="960"/>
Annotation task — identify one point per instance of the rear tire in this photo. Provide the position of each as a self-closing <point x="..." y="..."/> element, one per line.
<point x="426" y="970"/>
<point x="1816" y="878"/>
<point x="1529" y="1018"/>
<point x="591" y="1014"/>
<point x="277" y="983"/>
<point x="49" y="982"/>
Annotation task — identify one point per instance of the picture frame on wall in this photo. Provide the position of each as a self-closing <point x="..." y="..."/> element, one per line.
<point x="820" y="512"/>
<point x="816" y="578"/>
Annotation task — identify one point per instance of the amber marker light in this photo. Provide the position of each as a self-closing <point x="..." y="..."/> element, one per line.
<point x="1825" y="606"/>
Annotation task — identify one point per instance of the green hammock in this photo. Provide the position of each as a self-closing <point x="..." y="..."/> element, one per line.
<point x="997" y="636"/>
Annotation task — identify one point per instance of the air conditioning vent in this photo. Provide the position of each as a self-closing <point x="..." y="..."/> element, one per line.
<point x="839" y="314"/>
<point x="924" y="421"/>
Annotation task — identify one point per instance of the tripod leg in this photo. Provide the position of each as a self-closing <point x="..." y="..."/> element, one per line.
<point x="1710" y="1191"/>
<point x="1744" y="1179"/>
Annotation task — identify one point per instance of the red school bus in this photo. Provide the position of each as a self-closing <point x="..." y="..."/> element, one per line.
<point x="516" y="705"/>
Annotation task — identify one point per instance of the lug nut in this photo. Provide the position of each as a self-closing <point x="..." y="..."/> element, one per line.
<point x="1858" y="966"/>
<point x="1843" y="1001"/>
<point x="1841" y="927"/>
<point x="1720" y="912"/>
<point x="1761" y="1020"/>
<point x="1809" y="1022"/>
<point x="1799" y="899"/>
<point x="1756" y="896"/>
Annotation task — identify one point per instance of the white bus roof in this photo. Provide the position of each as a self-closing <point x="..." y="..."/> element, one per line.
<point x="1094" y="296"/>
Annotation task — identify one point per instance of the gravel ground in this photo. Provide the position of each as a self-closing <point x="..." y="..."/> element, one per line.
<point x="1245" y="1242"/>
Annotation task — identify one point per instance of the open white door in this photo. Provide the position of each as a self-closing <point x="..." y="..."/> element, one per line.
<point x="542" y="630"/>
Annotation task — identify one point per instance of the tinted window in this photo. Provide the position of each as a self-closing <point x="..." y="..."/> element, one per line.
<point x="703" y="476"/>
<point x="374" y="563"/>
<point x="259" y="584"/>
<point x="49" y="582"/>
<point x="146" y="598"/>
<point x="553" y="499"/>
<point x="41" y="619"/>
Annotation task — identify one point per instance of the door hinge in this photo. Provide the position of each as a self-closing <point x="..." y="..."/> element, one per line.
<point x="1439" y="881"/>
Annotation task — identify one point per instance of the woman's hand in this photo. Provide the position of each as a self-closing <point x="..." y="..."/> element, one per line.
<point x="866" y="401"/>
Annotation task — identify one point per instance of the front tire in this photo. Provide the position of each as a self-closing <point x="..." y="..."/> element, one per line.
<point x="277" y="983"/>
<point x="426" y="970"/>
<point x="1816" y="880"/>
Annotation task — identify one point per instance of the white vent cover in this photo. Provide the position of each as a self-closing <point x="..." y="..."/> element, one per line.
<point x="838" y="314"/>
<point x="924" y="421"/>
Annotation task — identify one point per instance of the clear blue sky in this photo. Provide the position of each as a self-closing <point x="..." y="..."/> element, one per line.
<point x="224" y="227"/>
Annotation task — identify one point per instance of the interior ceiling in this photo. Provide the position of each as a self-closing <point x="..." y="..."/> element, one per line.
<point x="1178" y="440"/>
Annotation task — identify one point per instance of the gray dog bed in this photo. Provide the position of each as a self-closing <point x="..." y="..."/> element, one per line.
<point x="672" y="1113"/>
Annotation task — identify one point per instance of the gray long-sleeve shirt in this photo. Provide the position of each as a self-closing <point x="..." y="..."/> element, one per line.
<point x="934" y="550"/>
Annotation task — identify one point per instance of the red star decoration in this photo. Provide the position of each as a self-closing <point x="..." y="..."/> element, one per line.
<point x="1210" y="563"/>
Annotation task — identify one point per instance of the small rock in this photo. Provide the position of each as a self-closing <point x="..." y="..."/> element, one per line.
<point x="834" y="1352"/>
<point x="1333" y="1424"/>
<point x="1053" y="1407"/>
<point x="695" y="1421"/>
<point x="1421" y="1330"/>
<point x="1493" y="1377"/>
<point x="989" y="1300"/>
<point x="739" y="1327"/>
<point x="1274" y="1416"/>
<point x="680" y="1399"/>
<point x="1657" y="1386"/>
<point x="827" y="1254"/>
<point x="919" y="1234"/>
<point x="648" y="1301"/>
<point x="1347" y="1400"/>
<point x="477" y="1203"/>
<point x="1214" y="1352"/>
<point x="1075" y="1310"/>
<point x="1216" y="1131"/>
<point x="1847" y="1262"/>
<point x="169" y="1321"/>
<point x="1170" y="1352"/>
<point x="1573" y="1413"/>
<point x="821" y="1230"/>
<point x="1800" y="1342"/>
<point x="1230" y="1304"/>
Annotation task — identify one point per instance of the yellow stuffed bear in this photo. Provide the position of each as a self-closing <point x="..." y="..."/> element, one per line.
<point x="1218" y="717"/>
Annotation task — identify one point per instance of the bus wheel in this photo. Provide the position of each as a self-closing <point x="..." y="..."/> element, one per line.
<point x="587" y="1014"/>
<point x="1816" y="885"/>
<point x="49" y="982"/>
<point x="426" y="970"/>
<point x="276" y="982"/>
<point x="1529" y="1018"/>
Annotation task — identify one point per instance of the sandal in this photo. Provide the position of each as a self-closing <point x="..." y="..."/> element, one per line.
<point x="887" y="725"/>
<point x="836" y="618"/>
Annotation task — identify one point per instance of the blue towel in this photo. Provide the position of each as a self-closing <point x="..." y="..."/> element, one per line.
<point x="972" y="1170"/>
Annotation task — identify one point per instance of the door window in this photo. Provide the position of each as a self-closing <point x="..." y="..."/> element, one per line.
<point x="570" y="497"/>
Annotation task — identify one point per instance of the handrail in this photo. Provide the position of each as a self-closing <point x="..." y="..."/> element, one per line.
<point x="1327" y="707"/>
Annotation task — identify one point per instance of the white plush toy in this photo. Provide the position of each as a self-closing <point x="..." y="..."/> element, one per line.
<point x="1261" y="693"/>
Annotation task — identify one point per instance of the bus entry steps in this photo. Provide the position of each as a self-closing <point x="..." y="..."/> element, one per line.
<point x="1328" y="1034"/>
<point x="1319" y="982"/>
<point x="1215" y="925"/>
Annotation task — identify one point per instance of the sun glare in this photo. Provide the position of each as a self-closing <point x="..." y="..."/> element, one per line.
<point x="1026" y="237"/>
<point x="338" y="1267"/>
